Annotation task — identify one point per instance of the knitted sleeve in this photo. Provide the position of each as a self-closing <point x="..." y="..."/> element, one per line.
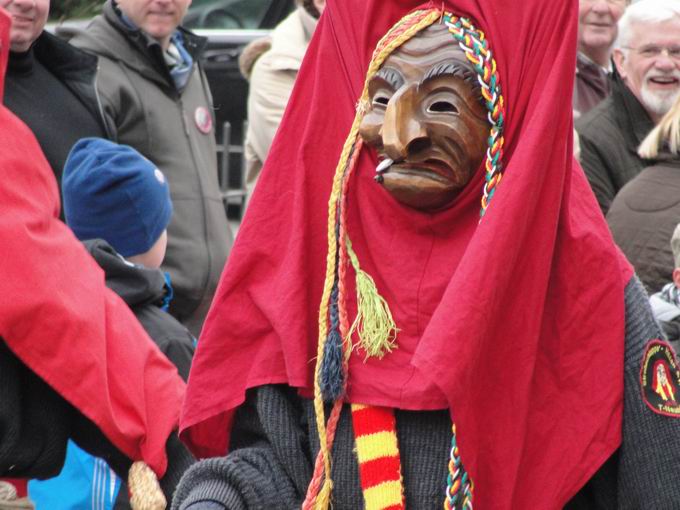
<point x="643" y="472"/>
<point x="269" y="465"/>
<point x="649" y="457"/>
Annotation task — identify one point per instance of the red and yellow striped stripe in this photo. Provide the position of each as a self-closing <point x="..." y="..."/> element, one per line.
<point x="375" y="435"/>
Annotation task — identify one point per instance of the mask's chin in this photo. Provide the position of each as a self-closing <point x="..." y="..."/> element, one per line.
<point x="425" y="191"/>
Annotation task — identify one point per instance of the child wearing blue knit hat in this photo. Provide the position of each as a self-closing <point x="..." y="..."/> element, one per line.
<point x="118" y="203"/>
<point x="112" y="192"/>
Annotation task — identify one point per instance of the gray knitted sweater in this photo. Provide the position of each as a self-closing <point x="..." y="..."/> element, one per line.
<point x="274" y="443"/>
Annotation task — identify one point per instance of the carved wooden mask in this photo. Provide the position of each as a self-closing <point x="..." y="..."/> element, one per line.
<point x="426" y="120"/>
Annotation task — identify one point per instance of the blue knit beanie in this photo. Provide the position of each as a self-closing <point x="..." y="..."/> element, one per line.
<point x="114" y="193"/>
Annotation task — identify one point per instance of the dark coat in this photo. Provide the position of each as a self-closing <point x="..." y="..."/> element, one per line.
<point x="144" y="290"/>
<point x="73" y="67"/>
<point x="642" y="219"/>
<point x="591" y="85"/>
<point x="52" y="89"/>
<point x="35" y="423"/>
<point x="610" y="135"/>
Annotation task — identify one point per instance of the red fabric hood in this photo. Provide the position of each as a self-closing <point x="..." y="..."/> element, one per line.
<point x="515" y="323"/>
<point x="58" y="317"/>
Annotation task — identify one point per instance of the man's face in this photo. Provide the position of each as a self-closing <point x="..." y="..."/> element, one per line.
<point x="158" y="18"/>
<point x="425" y="114"/>
<point x="597" y="27"/>
<point x="28" y="20"/>
<point x="651" y="66"/>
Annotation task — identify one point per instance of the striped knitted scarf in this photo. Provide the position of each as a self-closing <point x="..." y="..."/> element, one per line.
<point x="375" y="436"/>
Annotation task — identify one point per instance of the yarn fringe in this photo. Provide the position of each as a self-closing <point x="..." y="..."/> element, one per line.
<point x="332" y="376"/>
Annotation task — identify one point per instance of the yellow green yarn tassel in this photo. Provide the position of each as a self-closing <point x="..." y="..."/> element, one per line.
<point x="374" y="323"/>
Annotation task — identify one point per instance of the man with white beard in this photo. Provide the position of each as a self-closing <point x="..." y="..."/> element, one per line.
<point x="644" y="85"/>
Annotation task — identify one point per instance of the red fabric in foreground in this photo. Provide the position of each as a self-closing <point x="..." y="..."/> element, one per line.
<point x="58" y="317"/>
<point x="515" y="323"/>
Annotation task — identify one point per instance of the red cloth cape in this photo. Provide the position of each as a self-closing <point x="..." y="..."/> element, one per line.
<point x="516" y="323"/>
<point x="58" y="317"/>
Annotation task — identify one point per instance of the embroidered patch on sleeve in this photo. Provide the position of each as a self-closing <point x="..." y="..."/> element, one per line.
<point x="660" y="379"/>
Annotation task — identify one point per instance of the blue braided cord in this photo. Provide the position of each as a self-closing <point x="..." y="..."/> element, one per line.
<point x="331" y="376"/>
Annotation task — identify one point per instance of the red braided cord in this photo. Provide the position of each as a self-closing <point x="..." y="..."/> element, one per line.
<point x="318" y="475"/>
<point x="334" y="418"/>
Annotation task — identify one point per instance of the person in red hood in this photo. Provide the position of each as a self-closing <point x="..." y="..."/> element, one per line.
<point x="424" y="306"/>
<point x="74" y="361"/>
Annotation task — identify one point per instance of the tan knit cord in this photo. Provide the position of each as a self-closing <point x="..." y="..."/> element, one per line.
<point x="145" y="491"/>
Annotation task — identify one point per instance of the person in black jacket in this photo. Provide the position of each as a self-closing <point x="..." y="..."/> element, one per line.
<point x="50" y="85"/>
<point x="147" y="292"/>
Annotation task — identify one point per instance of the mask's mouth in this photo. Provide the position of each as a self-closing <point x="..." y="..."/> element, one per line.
<point x="427" y="170"/>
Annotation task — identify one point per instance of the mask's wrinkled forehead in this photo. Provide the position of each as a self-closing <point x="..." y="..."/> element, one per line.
<point x="430" y="54"/>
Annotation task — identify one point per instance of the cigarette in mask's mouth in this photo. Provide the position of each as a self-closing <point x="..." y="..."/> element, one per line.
<point x="382" y="168"/>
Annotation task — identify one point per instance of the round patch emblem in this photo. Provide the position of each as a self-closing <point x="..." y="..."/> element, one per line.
<point x="660" y="379"/>
<point x="203" y="120"/>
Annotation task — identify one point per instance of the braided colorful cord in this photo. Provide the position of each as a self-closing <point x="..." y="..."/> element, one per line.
<point x="476" y="48"/>
<point x="473" y="42"/>
<point x="459" y="485"/>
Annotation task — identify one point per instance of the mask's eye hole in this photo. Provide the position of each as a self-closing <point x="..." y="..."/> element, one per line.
<point x="442" y="107"/>
<point x="381" y="100"/>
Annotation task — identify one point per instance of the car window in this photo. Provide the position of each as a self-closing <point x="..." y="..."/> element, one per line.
<point x="230" y="14"/>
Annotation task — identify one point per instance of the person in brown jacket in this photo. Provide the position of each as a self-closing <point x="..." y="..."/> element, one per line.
<point x="155" y="98"/>
<point x="646" y="211"/>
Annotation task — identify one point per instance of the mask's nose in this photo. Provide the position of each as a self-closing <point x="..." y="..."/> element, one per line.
<point x="403" y="131"/>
